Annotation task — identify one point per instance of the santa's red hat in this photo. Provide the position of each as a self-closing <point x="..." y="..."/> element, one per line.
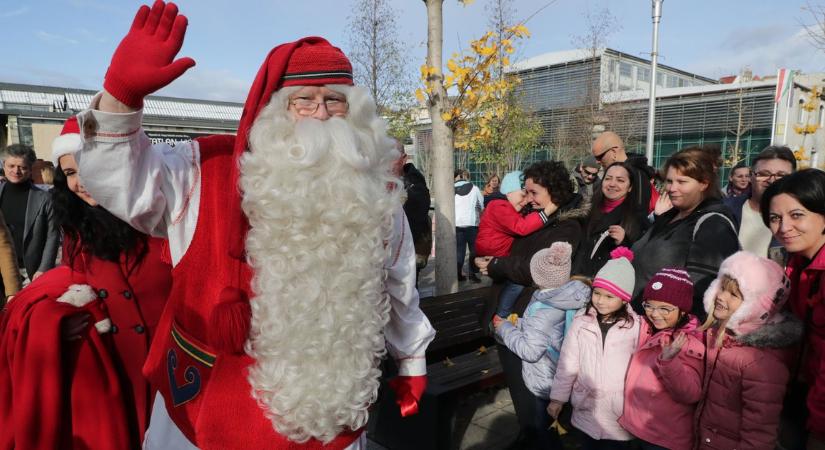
<point x="68" y="141"/>
<point x="311" y="61"/>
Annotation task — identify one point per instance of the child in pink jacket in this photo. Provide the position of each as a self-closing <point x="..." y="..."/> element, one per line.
<point x="751" y="344"/>
<point x="595" y="355"/>
<point x="664" y="380"/>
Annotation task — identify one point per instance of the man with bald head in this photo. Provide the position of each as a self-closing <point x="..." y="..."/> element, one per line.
<point x="608" y="149"/>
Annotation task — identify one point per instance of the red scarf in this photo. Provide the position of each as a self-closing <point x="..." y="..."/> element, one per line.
<point x="609" y="205"/>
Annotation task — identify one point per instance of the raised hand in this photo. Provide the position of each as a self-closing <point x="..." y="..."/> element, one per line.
<point x="145" y="59"/>
<point x="670" y="350"/>
<point x="663" y="204"/>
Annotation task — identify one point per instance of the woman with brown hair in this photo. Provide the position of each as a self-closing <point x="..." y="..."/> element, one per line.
<point x="697" y="232"/>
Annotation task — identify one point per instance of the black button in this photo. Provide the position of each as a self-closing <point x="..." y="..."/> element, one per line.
<point x="139" y="329"/>
<point x="127" y="294"/>
<point x="114" y="329"/>
<point x="102" y="293"/>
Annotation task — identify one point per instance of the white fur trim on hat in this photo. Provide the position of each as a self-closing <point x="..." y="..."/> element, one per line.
<point x="764" y="288"/>
<point x="64" y="145"/>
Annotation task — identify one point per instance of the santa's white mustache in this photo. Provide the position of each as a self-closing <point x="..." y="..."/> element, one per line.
<point x="314" y="139"/>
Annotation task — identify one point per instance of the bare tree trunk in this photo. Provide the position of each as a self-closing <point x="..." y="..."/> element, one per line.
<point x="446" y="280"/>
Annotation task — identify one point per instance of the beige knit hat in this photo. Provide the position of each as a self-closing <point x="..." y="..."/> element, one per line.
<point x="550" y="267"/>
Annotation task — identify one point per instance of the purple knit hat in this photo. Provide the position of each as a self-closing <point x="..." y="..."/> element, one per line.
<point x="671" y="285"/>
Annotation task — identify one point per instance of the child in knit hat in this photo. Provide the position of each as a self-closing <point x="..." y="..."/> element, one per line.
<point x="595" y="355"/>
<point x="751" y="343"/>
<point x="500" y="223"/>
<point x="668" y="366"/>
<point x="537" y="337"/>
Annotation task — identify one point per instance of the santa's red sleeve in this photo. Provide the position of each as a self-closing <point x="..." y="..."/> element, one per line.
<point x="56" y="393"/>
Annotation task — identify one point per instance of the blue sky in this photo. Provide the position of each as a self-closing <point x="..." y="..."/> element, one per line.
<point x="69" y="42"/>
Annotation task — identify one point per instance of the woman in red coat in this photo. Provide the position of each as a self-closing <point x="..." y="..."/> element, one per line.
<point x="794" y="209"/>
<point x="127" y="280"/>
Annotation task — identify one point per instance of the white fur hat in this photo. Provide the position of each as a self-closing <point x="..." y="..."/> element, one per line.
<point x="68" y="141"/>
<point x="764" y="288"/>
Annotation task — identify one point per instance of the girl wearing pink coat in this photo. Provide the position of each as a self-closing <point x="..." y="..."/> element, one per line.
<point x="664" y="380"/>
<point x="750" y="343"/>
<point x="594" y="357"/>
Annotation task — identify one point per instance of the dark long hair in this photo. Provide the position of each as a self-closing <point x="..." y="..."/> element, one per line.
<point x="631" y="213"/>
<point x="807" y="186"/>
<point x="92" y="229"/>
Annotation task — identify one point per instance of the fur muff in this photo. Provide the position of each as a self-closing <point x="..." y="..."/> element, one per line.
<point x="83" y="296"/>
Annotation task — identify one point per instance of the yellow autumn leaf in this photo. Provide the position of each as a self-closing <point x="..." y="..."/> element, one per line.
<point x="419" y="94"/>
<point x="451" y="65"/>
<point x="446" y="116"/>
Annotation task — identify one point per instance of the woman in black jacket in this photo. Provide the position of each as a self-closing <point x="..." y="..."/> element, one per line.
<point x="697" y="232"/>
<point x="545" y="182"/>
<point x="613" y="220"/>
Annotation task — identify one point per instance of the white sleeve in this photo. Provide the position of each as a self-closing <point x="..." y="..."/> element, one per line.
<point x="408" y="332"/>
<point x="154" y="188"/>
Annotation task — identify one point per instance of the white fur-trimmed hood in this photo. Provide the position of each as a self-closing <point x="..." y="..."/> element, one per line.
<point x="764" y="288"/>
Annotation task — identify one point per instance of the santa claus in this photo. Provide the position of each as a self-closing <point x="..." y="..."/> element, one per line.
<point x="294" y="268"/>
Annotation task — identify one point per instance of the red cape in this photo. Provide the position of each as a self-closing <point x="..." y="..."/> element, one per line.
<point x="54" y="393"/>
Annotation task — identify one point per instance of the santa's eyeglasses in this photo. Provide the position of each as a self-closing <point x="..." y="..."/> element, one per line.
<point x="307" y="107"/>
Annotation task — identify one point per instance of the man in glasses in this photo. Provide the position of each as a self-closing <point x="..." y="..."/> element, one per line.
<point x="294" y="267"/>
<point x="608" y="148"/>
<point x="771" y="164"/>
<point x="586" y="173"/>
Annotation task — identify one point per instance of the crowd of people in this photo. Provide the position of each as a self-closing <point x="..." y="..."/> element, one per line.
<point x="200" y="301"/>
<point x="667" y="311"/>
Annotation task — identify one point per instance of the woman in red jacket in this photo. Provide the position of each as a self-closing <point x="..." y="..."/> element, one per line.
<point x="794" y="209"/>
<point x="92" y="368"/>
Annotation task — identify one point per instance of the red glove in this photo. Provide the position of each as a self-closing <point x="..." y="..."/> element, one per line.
<point x="143" y="62"/>
<point x="408" y="391"/>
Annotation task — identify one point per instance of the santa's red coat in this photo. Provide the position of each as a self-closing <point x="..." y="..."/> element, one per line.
<point x="205" y="386"/>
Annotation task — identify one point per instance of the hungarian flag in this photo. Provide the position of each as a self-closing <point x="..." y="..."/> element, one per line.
<point x="784" y="80"/>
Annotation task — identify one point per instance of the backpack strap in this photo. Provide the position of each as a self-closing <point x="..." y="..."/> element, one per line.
<point x="552" y="352"/>
<point x="707" y="216"/>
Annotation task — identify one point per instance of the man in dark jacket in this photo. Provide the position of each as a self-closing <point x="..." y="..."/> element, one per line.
<point x="586" y="173"/>
<point x="768" y="166"/>
<point x="417" y="209"/>
<point x="28" y="213"/>
<point x="608" y="148"/>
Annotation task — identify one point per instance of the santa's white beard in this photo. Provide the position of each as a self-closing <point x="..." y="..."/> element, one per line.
<point x="316" y="198"/>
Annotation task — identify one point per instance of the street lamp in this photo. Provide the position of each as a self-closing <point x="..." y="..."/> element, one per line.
<point x="654" y="63"/>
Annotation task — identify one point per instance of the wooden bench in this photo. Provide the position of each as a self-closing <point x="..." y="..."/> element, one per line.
<point x="456" y="369"/>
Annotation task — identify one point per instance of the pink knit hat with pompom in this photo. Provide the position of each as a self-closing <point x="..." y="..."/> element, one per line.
<point x="617" y="276"/>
